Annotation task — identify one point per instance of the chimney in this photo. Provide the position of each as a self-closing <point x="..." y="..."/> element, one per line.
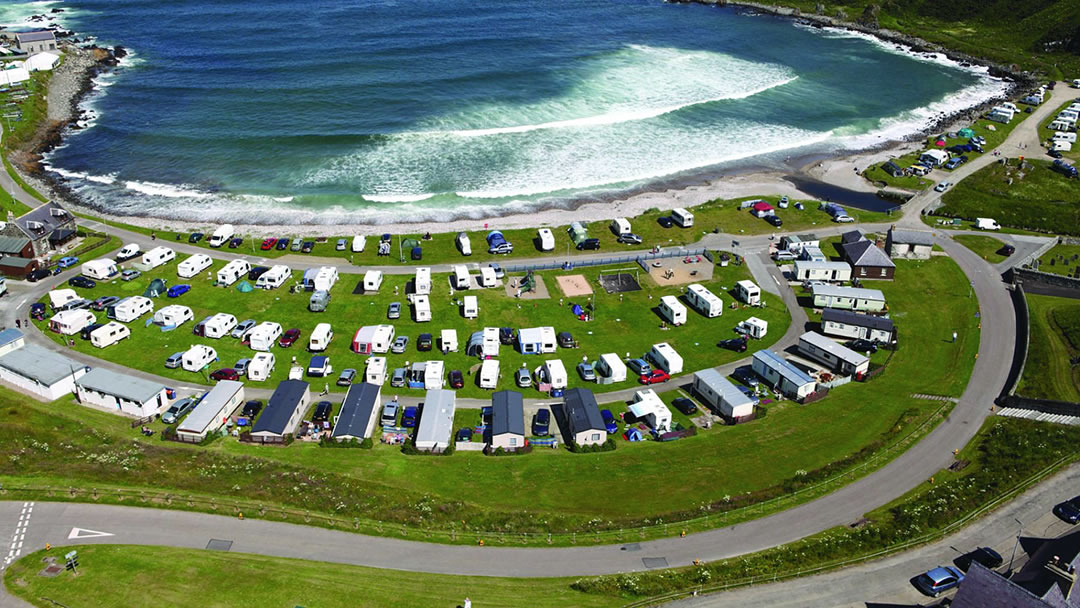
<point x="880" y="242"/>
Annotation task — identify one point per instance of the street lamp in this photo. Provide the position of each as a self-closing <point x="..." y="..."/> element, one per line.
<point x="1017" y="544"/>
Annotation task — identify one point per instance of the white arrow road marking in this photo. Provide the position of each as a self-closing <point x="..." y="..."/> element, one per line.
<point x="80" y="533"/>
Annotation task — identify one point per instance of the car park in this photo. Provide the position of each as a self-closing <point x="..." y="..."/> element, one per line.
<point x="456" y="379"/>
<point x="178" y="410"/>
<point x="408" y="416"/>
<point x="939" y="580"/>
<point x="863" y="346"/>
<point x="983" y="555"/>
<point x="736" y="344"/>
<point x="393" y="311"/>
<point x="746" y="375"/>
<point x="242" y="328"/>
<point x="639" y="366"/>
<point x="541" y="422"/>
<point x="307" y="247"/>
<point x="655" y="376"/>
<point x="82" y="282"/>
<point x="174" y="360"/>
<point x="268" y="244"/>
<point x="235" y="242"/>
<point x="522" y="377"/>
<point x="399" y="345"/>
<point x="629" y="238"/>
<point x="256" y="272"/>
<point x="225" y="373"/>
<point x="178" y="290"/>
<point x="346" y="377"/>
<point x="104" y="302"/>
<point x="423" y="342"/>
<point x="67" y="262"/>
<point x="1068" y="511"/>
<point x="588" y="244"/>
<point x="322" y="411"/>
<point x="585" y="370"/>
<point x="85" y="332"/>
<point x="251" y="408"/>
<point x="241" y="366"/>
<point x="665" y="221"/>
<point x="130" y="274"/>
<point x="685" y="406"/>
<point x="609" y="421"/>
<point x="282" y="244"/>
<point x="397" y="379"/>
<point x="289" y="338"/>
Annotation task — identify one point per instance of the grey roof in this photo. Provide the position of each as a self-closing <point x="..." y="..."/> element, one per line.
<point x="851" y="236"/>
<point x="817" y="265"/>
<point x="122" y="386"/>
<point x="356" y="410"/>
<point x="35" y="36"/>
<point x="34" y="362"/>
<point x="507" y="413"/>
<point x="13" y="244"/>
<point x="983" y="587"/>
<point x="911" y="237"/>
<point x="723" y="387"/>
<point x="834" y="348"/>
<point x="848" y="292"/>
<point x="1038" y="579"/>
<point x="208" y="409"/>
<point x="859" y="320"/>
<point x="43" y="214"/>
<point x="783" y="367"/>
<point x="866" y="253"/>
<point x="280" y="407"/>
<point x="9" y="335"/>
<point x="437" y="417"/>
<point x="11" y="261"/>
<point x="582" y="413"/>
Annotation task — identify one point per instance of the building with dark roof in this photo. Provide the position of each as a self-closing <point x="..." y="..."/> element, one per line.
<point x="358" y="412"/>
<point x="17" y="267"/>
<point x="283" y="412"/>
<point x="868" y="261"/>
<point x="48" y="227"/>
<point x="848" y="324"/>
<point x="584" y="424"/>
<point x="16" y="246"/>
<point x="35" y="42"/>
<point x="909" y="244"/>
<point x="1047" y="580"/>
<point x="507" y="421"/>
<point x="851" y="236"/>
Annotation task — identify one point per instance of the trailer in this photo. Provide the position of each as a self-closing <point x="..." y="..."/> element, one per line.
<point x="620" y="226"/>
<point x="748" y="292"/>
<point x="158" y="256"/>
<point x="704" y="301"/>
<point x="173" y="315"/>
<point x="489" y="374"/>
<point x="662" y="355"/>
<point x="672" y="310"/>
<point x="109" y="334"/>
<point x="421" y="309"/>
<point x="130" y="308"/>
<point x="722" y="397"/>
<point x="461" y="277"/>
<point x="320" y="338"/>
<point x="647" y="407"/>
<point x="69" y="322"/>
<point x="610" y="369"/>
<point x="101" y="269"/>
<point x="261" y="367"/>
<point x="275" y="277"/>
<point x="448" y="342"/>
<point x="487" y="277"/>
<point x="219" y="325"/>
<point x="546" y="239"/>
<point x="372" y="281"/>
<point x="682" y="217"/>
<point x="537" y="340"/>
<point x="264" y="335"/>
<point x="422" y="281"/>
<point x="371" y="339"/>
<point x="470" y="309"/>
<point x="753" y="328"/>
<point x="375" y="372"/>
<point x="193" y="265"/>
<point x="483" y="343"/>
<point x="232" y="272"/>
<point x="325" y="279"/>
<point x="358" y="243"/>
<point x="198" y="357"/>
<point x="463" y="243"/>
<point x="556" y="373"/>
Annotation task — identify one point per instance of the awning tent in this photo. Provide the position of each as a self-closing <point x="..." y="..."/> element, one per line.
<point x="41" y="61"/>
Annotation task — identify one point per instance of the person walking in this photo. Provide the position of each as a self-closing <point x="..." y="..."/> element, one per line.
<point x="468" y="603"/>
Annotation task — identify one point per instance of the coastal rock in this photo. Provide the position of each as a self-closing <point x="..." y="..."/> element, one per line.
<point x="119" y="52"/>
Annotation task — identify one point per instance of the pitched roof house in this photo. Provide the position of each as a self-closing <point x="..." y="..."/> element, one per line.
<point x="868" y="261"/>
<point x="48" y="227"/>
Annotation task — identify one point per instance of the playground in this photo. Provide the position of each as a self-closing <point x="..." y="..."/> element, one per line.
<point x="574" y="285"/>
<point x="619" y="281"/>
<point x="529" y="287"/>
<point x="680" y="271"/>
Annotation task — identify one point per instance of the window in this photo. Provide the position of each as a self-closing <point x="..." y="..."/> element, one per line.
<point x="513" y="441"/>
<point x="883" y="272"/>
<point x="596" y="437"/>
<point x="862" y="271"/>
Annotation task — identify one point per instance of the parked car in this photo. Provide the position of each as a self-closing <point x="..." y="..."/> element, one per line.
<point x="389" y="414"/>
<point x="67" y="262"/>
<point x="609" y="421"/>
<point x="541" y="422"/>
<point x="268" y="244"/>
<point x="256" y="272"/>
<point x="629" y="238"/>
<point x="585" y="370"/>
<point x="393" y="311"/>
<point x="774" y="220"/>
<point x="1068" y="511"/>
<point x="341" y="245"/>
<point x="942" y="186"/>
<point x="178" y="290"/>
<point x="456" y="379"/>
<point x="282" y="244"/>
<point x="130" y="274"/>
<point x="639" y="366"/>
<point x="499" y="272"/>
<point x="665" y="221"/>
<point x="863" y="346"/>
<point x="423" y="342"/>
<point x="506" y="335"/>
<point x="36" y="275"/>
<point x="464" y="434"/>
<point x="522" y="377"/>
<point x="235" y="242"/>
<point x="322" y="411"/>
<point x="37" y="311"/>
<point x="746" y="375"/>
<point x="307" y="247"/>
<point x="399" y="345"/>
<point x="242" y="366"/>
<point x="953" y="163"/>
<point x="346" y="377"/>
<point x="984" y="555"/>
<point x="397" y="379"/>
<point x="242" y="328"/>
<point x="85" y="332"/>
<point x="173" y="361"/>
<point x="939" y="580"/>
<point x="251" y="408"/>
<point x="588" y="244"/>
<point x="178" y="410"/>
<point x="225" y="373"/>
<point x="656" y="376"/>
<point x="83" y="282"/>
<point x="289" y="338"/>
<point x="736" y="344"/>
<point x="408" y="417"/>
<point x="297" y="245"/>
<point x="195" y="237"/>
<point x="1055" y="154"/>
<point x="565" y="340"/>
<point x="104" y="302"/>
<point x="685" y="406"/>
<point x="1007" y="250"/>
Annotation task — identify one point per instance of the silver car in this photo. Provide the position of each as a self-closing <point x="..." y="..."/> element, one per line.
<point x="242" y="328"/>
<point x="178" y="410"/>
<point x="399" y="345"/>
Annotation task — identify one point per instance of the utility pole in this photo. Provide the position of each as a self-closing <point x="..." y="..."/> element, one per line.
<point x="1019" y="533"/>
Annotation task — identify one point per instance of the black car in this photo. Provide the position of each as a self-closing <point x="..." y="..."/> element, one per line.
<point x="541" y="422"/>
<point x="736" y="344"/>
<point x="1007" y="250"/>
<point x="456" y="379"/>
<point x="307" y="247"/>
<point x="566" y="340"/>
<point x="195" y="237"/>
<point x="283" y="243"/>
<point x="506" y="335"/>
<point x="1054" y="154"/>
<point x="1068" y="511"/>
<point x="984" y="555"/>
<point x="464" y="434"/>
<point x="423" y="343"/>
<point x="252" y="408"/>
<point x="589" y="244"/>
<point x="322" y="411"/>
<point x="89" y="329"/>
<point x="685" y="406"/>
<point x="36" y="275"/>
<point x="774" y="220"/>
<point x="236" y="242"/>
<point x="256" y="272"/>
<point x="665" y="221"/>
<point x="746" y="375"/>
<point x="83" y="282"/>
<point x="863" y="346"/>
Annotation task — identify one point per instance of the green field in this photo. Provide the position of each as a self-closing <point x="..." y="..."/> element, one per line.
<point x="134" y="575"/>
<point x="986" y="247"/>
<point x="1055" y="341"/>
<point x="1062" y="259"/>
<point x="1035" y="198"/>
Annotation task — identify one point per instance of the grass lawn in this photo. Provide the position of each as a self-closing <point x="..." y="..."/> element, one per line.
<point x="137" y="575"/>
<point x="1032" y="199"/>
<point x="618" y="327"/>
<point x="985" y="246"/>
<point x="1062" y="259"/>
<point x="1055" y="341"/>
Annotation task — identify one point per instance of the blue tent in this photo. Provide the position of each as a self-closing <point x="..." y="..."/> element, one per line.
<point x="577" y="310"/>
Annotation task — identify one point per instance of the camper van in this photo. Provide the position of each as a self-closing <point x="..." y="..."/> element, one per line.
<point x="488" y="277"/>
<point x="101" y="269"/>
<point x="320" y="338"/>
<point x="610" y="369"/>
<point x="672" y="310"/>
<point x="463" y="244"/>
<point x="546" y="239"/>
<point x="985" y="223"/>
<point x="461" y="277"/>
<point x="422" y="309"/>
<point x="264" y="335"/>
<point x="358" y="243"/>
<point x="173" y="315"/>
<point x="663" y="356"/>
<point x="620" y="226"/>
<point x="261" y="367"/>
<point x="371" y="339"/>
<point x="448" y="341"/>
<point x="69" y="322"/>
<point x="219" y="325"/>
<point x="275" y="277"/>
<point x="704" y="301"/>
<point x="489" y="374"/>
<point x="232" y="272"/>
<point x="127" y="252"/>
<point x="375" y="373"/>
<point x="319" y="301"/>
<point x="198" y="357"/>
<point x="109" y="334"/>
<point x="469" y="308"/>
<point x="372" y="281"/>
<point x="158" y="256"/>
<point x="748" y="292"/>
<point x="682" y="217"/>
<point x="129" y="309"/>
<point x="422" y="282"/>
<point x="222" y="235"/>
<point x="193" y="265"/>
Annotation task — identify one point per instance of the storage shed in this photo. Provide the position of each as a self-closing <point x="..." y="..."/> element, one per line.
<point x="436" y="427"/>
<point x="838" y="357"/>
<point x="648" y="408"/>
<point x="359" y="411"/>
<point x="782" y="375"/>
<point x="822" y="271"/>
<point x="283" y="412"/>
<point x="507" y="421"/>
<point x="212" y="412"/>
<point x="848" y="298"/>
<point x="583" y="421"/>
<point x="722" y="397"/>
<point x="130" y="395"/>
<point x="847" y="324"/>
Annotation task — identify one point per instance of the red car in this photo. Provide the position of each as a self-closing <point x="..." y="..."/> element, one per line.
<point x="289" y="338"/>
<point x="656" y="376"/>
<point x="226" y="373"/>
<point x="268" y="244"/>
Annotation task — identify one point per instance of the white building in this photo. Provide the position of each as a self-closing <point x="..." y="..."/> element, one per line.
<point x="847" y="324"/>
<point x="130" y="395"/>
<point x="822" y="271"/>
<point x="838" y="357"/>
<point x="722" y="397"/>
<point x="212" y="412"/>
<point x="782" y="375"/>
<point x="31" y="368"/>
<point x="436" y="427"/>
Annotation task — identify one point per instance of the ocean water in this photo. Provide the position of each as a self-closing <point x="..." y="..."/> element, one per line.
<point x="384" y="111"/>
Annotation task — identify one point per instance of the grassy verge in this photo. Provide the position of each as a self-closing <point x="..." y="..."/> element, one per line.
<point x="986" y="247"/>
<point x="18" y="207"/>
<point x="1055" y="342"/>
<point x="135" y="575"/>
<point x="1062" y="259"/>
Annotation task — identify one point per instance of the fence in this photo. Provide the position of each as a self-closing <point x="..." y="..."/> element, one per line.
<point x="620" y="259"/>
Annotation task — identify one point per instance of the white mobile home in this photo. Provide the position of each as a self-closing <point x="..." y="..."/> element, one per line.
<point x="672" y="310"/>
<point x="722" y="397"/>
<point x="109" y="334"/>
<point x="173" y="315"/>
<point x="320" y="337"/>
<point x="132" y="308"/>
<point x="470" y="309"/>
<point x="193" y="265"/>
<point x="70" y="322"/>
<point x="358" y="243"/>
<point x="422" y="309"/>
<point x="37" y="370"/>
<point x="610" y="369"/>
<point x="753" y="327"/>
<point x="704" y="301"/>
<point x="782" y="375"/>
<point x="129" y="395"/>
<point x="847" y="324"/>
<point x="489" y="374"/>
<point x="507" y="421"/>
<point x="263" y="336"/>
<point x="101" y="269"/>
<point x="537" y="340"/>
<point x="487" y="277"/>
<point x="648" y="408"/>
<point x="212" y="412"/>
<point x="359" y="411"/>
<point x="375" y="372"/>
<point x="448" y="342"/>
<point x="848" y="298"/>
<point x="232" y="272"/>
<point x="556" y="373"/>
<point x="283" y="412"/>
<point x="748" y="292"/>
<point x="261" y="367"/>
<point x="373" y="339"/>
<point x="275" y="277"/>
<point x="682" y="217"/>
<point x="222" y="235"/>
<point x="461" y="277"/>
<point x="620" y="226"/>
<point x="665" y="357"/>
<point x="463" y="243"/>
<point x="158" y="256"/>
<point x="837" y="356"/>
<point x="422" y="281"/>
<point x="546" y="238"/>
<point x="436" y="427"/>
<point x="219" y="325"/>
<point x="822" y="271"/>
<point x="372" y="281"/>
<point x="198" y="357"/>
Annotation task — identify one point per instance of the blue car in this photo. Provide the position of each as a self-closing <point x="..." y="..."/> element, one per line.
<point x="408" y="419"/>
<point x="640" y="367"/>
<point x="178" y="290"/>
<point x="609" y="421"/>
<point x="67" y="262"/>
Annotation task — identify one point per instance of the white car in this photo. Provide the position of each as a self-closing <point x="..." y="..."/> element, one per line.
<point x="943" y="186"/>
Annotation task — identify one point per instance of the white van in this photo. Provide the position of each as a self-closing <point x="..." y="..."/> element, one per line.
<point x="620" y="226"/>
<point x="320" y="337"/>
<point x="489" y="374"/>
<point x="372" y="281"/>
<point x="219" y="325"/>
<point x="109" y="334"/>
<point x="221" y="236"/>
<point x="421" y="309"/>
<point x="193" y="265"/>
<point x="375" y="373"/>
<point x="682" y="217"/>
<point x="260" y="367"/>
<point x="101" y="269"/>
<point x="986" y="223"/>
<point x="127" y="252"/>
<point x="174" y="315"/>
<point x="463" y="244"/>
<point x="422" y="282"/>
<point x="158" y="256"/>
<point x="546" y="238"/>
<point x="232" y="272"/>
<point x="264" y="335"/>
<point x="461" y="277"/>
<point x="198" y="357"/>
<point x="358" y="243"/>
<point x="275" y="277"/>
<point x="129" y="309"/>
<point x="469" y="307"/>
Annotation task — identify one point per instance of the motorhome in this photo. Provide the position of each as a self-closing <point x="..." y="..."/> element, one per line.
<point x="665" y="357"/>
<point x="704" y="301"/>
<point x="448" y="342"/>
<point x="463" y="244"/>
<point x="672" y="310"/>
<point x="158" y="256"/>
<point x="372" y="281"/>
<point x="461" y="277"/>
<point x="320" y="337"/>
<point x="261" y="367"/>
<point x="489" y="374"/>
<point x="422" y="309"/>
<point x="69" y="322"/>
<point x="264" y="335"/>
<point x="620" y="226"/>
<point x="221" y="236"/>
<point x="198" y="357"/>
<point x="101" y="269"/>
<point x="375" y="372"/>
<point x="469" y="307"/>
<point x="219" y="325"/>
<point x="193" y="265"/>
<point x="422" y="281"/>
<point x="275" y="277"/>
<point x="173" y="315"/>
<point x="682" y="217"/>
<point x="129" y="309"/>
<point x="109" y="334"/>
<point x="373" y="339"/>
<point x="232" y="272"/>
<point x="358" y="243"/>
<point x="748" y="292"/>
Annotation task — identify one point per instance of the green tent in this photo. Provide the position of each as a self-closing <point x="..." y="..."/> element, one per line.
<point x="244" y="287"/>
<point x="408" y="244"/>
<point x="156" y="288"/>
<point x="968" y="133"/>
